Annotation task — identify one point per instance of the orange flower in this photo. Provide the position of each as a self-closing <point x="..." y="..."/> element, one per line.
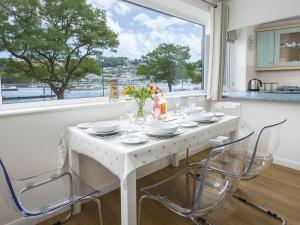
<point x="150" y="89"/>
<point x="125" y="90"/>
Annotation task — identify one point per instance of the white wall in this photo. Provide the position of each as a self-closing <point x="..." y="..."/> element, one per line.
<point x="259" y="113"/>
<point x="29" y="143"/>
<point x="244" y="13"/>
<point x="242" y="60"/>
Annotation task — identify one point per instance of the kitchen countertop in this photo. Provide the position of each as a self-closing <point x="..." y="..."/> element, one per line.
<point x="263" y="96"/>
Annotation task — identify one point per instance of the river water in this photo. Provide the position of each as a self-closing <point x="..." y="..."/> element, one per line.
<point x="72" y="94"/>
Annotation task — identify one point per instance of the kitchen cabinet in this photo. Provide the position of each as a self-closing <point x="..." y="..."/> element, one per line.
<point x="278" y="48"/>
<point x="265" y="49"/>
<point x="287" y="47"/>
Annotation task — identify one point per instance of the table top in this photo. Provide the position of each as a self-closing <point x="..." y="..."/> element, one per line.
<point x="122" y="158"/>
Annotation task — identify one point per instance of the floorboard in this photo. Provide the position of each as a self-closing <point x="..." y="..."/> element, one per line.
<point x="278" y="189"/>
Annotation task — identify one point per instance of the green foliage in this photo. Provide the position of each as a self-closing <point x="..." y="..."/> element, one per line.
<point x="52" y="41"/>
<point x="194" y="71"/>
<point x="115" y="61"/>
<point x="165" y="63"/>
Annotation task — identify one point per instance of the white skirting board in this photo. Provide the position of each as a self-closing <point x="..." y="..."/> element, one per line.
<point x="111" y="185"/>
<point x="288" y="163"/>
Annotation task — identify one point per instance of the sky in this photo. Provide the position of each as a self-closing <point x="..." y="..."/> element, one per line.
<point x="141" y="30"/>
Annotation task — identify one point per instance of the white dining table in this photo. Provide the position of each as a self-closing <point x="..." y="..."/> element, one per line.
<point x="123" y="160"/>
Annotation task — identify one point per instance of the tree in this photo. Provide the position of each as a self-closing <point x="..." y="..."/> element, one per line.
<point x="194" y="71"/>
<point x="53" y="41"/>
<point x="165" y="63"/>
<point x="115" y="61"/>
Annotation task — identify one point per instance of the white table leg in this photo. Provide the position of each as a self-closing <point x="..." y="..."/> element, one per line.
<point x="175" y="160"/>
<point x="74" y="165"/>
<point x="128" y="200"/>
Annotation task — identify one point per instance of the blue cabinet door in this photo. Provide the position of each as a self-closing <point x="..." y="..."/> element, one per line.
<point x="265" y="49"/>
<point x="287" y="47"/>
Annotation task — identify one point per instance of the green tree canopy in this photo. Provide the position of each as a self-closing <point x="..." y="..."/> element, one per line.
<point x="53" y="41"/>
<point x="165" y="63"/>
<point x="194" y="71"/>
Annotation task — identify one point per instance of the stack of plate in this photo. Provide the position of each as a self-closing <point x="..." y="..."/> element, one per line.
<point x="196" y="109"/>
<point x="162" y="129"/>
<point x="201" y="117"/>
<point x="103" y="128"/>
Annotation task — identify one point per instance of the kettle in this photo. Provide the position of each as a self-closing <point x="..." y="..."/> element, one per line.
<point x="254" y="85"/>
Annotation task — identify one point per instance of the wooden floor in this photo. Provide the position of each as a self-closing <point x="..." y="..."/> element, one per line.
<point x="277" y="189"/>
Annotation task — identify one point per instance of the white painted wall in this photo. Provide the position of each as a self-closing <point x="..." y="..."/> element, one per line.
<point x="29" y="143"/>
<point x="244" y="13"/>
<point x="259" y="113"/>
<point x="242" y="60"/>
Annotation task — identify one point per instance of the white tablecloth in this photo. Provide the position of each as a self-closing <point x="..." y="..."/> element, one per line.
<point x="121" y="159"/>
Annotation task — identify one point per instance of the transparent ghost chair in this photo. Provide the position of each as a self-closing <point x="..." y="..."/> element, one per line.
<point x="197" y="190"/>
<point x="46" y="193"/>
<point x="259" y="158"/>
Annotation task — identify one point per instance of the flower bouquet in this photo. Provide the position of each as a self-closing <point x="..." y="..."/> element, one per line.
<point x="140" y="95"/>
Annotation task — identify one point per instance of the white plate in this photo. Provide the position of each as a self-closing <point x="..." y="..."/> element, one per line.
<point x="196" y="109"/>
<point x="219" y="114"/>
<point x="201" y="117"/>
<point x="92" y="131"/>
<point x="83" y="125"/>
<point x="162" y="128"/>
<point x="187" y="123"/>
<point x="104" y="126"/>
<point x="151" y="133"/>
<point x="133" y="139"/>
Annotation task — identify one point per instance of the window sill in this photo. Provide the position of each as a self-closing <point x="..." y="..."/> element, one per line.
<point x="69" y="104"/>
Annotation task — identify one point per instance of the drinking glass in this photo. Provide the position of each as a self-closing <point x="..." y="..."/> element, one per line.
<point x="130" y="110"/>
<point x="192" y="101"/>
<point x="177" y="103"/>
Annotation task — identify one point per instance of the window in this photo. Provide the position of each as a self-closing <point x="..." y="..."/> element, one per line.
<point x="75" y="50"/>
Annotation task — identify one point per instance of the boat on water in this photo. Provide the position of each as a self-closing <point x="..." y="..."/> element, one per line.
<point x="9" y="88"/>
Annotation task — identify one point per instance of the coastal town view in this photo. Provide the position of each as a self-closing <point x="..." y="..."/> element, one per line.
<point x="90" y="86"/>
<point x="137" y="46"/>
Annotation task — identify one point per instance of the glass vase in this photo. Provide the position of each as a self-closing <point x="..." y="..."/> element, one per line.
<point x="140" y="111"/>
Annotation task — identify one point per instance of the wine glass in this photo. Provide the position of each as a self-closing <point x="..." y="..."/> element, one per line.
<point x="177" y="103"/>
<point x="192" y="102"/>
<point x="130" y="110"/>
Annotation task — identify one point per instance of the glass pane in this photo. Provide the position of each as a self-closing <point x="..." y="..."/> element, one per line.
<point x="290" y="47"/>
<point x="122" y="42"/>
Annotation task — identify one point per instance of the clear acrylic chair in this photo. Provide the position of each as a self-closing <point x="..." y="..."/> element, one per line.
<point x="47" y="193"/>
<point x="228" y="108"/>
<point x="259" y="158"/>
<point x="197" y="190"/>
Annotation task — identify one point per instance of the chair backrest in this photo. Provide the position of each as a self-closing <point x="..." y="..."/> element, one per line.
<point x="261" y="155"/>
<point x="6" y="188"/>
<point x="229" y="161"/>
<point x="229" y="108"/>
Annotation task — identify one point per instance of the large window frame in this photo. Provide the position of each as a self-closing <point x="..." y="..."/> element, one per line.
<point x="91" y="100"/>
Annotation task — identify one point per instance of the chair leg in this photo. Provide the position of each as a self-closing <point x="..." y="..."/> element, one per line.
<point x="140" y="209"/>
<point x="67" y="218"/>
<point x="99" y="207"/>
<point x="188" y="191"/>
<point x="200" y="221"/>
<point x="260" y="208"/>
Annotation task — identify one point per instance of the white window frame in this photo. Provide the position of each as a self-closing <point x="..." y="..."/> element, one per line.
<point x="69" y="102"/>
<point x="229" y="67"/>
